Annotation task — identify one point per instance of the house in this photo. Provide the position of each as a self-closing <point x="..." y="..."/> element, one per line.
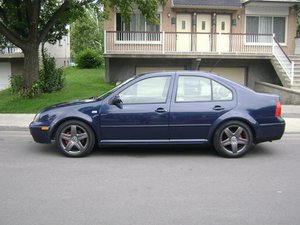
<point x="60" y="51"/>
<point x="244" y="40"/>
<point x="10" y="63"/>
<point x="12" y="59"/>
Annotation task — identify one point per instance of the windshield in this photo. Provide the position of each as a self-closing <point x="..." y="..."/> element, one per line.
<point x="103" y="96"/>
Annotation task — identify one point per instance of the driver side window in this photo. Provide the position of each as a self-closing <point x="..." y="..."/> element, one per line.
<point x="151" y="90"/>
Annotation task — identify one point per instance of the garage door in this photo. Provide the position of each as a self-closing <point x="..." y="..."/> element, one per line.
<point x="237" y="74"/>
<point x="140" y="70"/>
<point x="5" y="72"/>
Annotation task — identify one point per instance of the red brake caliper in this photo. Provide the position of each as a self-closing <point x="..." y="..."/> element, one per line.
<point x="66" y="141"/>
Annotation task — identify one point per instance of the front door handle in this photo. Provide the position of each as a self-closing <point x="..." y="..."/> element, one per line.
<point x="218" y="108"/>
<point x="160" y="110"/>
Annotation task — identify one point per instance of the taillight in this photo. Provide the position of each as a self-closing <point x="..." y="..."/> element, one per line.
<point x="278" y="109"/>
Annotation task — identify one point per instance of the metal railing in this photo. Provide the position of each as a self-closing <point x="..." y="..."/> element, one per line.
<point x="285" y="62"/>
<point x="175" y="42"/>
<point x="117" y="42"/>
<point x="10" y="49"/>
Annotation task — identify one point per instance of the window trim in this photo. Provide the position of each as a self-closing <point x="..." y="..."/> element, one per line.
<point x="266" y="43"/>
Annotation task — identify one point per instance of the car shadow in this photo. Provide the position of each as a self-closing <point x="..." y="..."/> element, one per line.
<point x="259" y="150"/>
<point x="176" y="150"/>
<point x="156" y="150"/>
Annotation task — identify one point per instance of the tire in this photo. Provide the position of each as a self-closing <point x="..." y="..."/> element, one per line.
<point x="233" y="139"/>
<point x="75" y="138"/>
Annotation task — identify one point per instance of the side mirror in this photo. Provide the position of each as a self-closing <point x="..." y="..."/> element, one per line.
<point x="117" y="101"/>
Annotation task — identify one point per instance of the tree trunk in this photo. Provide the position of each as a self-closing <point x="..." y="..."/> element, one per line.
<point x="31" y="68"/>
<point x="43" y="51"/>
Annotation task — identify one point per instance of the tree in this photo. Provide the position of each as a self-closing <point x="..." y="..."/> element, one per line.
<point x="87" y="32"/>
<point x="27" y="23"/>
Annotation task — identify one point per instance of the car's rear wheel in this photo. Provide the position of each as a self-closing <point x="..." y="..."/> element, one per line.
<point x="75" y="138"/>
<point x="233" y="139"/>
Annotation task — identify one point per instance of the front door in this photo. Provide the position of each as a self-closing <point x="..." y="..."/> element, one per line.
<point x="184" y="36"/>
<point x="223" y="32"/>
<point x="141" y="113"/>
<point x="203" y="32"/>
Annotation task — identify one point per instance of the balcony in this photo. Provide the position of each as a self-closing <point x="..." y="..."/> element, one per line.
<point x="197" y="44"/>
<point x="187" y="43"/>
<point x="10" y="49"/>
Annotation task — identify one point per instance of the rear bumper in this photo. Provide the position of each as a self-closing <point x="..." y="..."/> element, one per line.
<point x="270" y="131"/>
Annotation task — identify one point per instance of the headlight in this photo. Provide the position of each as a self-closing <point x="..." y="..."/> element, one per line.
<point x="37" y="117"/>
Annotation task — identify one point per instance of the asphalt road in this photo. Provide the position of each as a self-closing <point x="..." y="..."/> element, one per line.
<point x="146" y="186"/>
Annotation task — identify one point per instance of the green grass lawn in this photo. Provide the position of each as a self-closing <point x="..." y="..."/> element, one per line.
<point x="80" y="83"/>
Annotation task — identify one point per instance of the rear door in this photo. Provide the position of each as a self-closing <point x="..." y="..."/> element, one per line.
<point x="197" y="102"/>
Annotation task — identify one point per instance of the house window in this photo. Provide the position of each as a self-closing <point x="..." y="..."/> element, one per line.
<point x="138" y="29"/>
<point x="265" y="25"/>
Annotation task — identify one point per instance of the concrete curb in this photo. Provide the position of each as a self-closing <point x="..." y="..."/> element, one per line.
<point x="16" y="120"/>
<point x="14" y="128"/>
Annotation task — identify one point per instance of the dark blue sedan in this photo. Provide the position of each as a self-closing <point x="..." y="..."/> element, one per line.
<point x="183" y="107"/>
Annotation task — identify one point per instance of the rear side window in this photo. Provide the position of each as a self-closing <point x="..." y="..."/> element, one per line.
<point x="197" y="89"/>
<point x="193" y="89"/>
<point x="221" y="93"/>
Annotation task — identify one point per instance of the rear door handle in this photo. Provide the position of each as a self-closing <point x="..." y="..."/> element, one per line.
<point x="160" y="110"/>
<point x="218" y="108"/>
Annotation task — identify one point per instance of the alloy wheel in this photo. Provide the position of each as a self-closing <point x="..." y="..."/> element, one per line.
<point x="74" y="139"/>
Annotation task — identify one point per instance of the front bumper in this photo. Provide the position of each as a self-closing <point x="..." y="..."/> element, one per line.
<point x="39" y="132"/>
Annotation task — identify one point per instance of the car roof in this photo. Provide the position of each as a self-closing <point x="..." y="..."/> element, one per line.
<point x="182" y="73"/>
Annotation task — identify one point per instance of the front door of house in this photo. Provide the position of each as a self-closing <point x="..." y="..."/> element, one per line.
<point x="223" y="29"/>
<point x="184" y="35"/>
<point x="203" y="32"/>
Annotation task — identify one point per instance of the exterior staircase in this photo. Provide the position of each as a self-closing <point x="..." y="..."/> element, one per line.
<point x="285" y="80"/>
<point x="296" y="83"/>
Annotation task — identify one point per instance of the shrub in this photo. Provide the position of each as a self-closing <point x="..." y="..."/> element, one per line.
<point x="89" y="59"/>
<point x="50" y="78"/>
<point x="16" y="83"/>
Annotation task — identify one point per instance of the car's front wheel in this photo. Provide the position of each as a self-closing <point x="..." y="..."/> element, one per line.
<point x="233" y="139"/>
<point x="75" y="138"/>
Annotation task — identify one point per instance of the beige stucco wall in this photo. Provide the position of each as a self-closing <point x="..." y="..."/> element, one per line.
<point x="239" y="15"/>
<point x="292" y="29"/>
<point x="167" y="15"/>
<point x="109" y="24"/>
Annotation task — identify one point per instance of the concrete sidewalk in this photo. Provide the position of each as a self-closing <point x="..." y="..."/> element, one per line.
<point x="290" y="113"/>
